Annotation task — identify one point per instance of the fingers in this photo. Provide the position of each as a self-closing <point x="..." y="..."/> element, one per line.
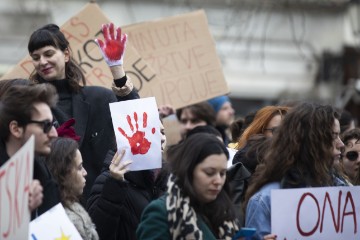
<point x="124" y="39"/>
<point x="105" y="31"/>
<point x="117" y="157"/>
<point x="118" y="168"/>
<point x="35" y="195"/>
<point x="270" y="237"/>
<point x="111" y="30"/>
<point x="118" y="34"/>
<point x="100" y="43"/>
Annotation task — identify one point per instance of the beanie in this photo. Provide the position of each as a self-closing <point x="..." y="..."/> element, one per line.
<point x="218" y="102"/>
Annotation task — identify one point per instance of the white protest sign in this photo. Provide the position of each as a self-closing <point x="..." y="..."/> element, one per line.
<point x="15" y="179"/>
<point x="137" y="129"/>
<point x="53" y="224"/>
<point x="316" y="213"/>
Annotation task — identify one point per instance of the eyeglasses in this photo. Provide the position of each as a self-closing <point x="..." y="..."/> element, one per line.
<point x="352" y="155"/>
<point x="272" y="130"/>
<point x="47" y="124"/>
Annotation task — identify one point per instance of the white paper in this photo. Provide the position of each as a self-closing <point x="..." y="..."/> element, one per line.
<point x="137" y="129"/>
<point x="53" y="224"/>
<point x="316" y="213"/>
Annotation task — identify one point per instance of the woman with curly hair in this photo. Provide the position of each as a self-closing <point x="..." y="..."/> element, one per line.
<point x="197" y="203"/>
<point x="301" y="154"/>
<point x="66" y="165"/>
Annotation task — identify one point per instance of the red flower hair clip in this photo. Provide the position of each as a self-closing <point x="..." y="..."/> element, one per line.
<point x="67" y="130"/>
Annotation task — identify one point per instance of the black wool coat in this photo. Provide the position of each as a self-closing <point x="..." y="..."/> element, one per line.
<point x="116" y="206"/>
<point x="90" y="109"/>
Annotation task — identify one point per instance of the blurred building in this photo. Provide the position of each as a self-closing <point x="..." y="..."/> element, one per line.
<point x="271" y="50"/>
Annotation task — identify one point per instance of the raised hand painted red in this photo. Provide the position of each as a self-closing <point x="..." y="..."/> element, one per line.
<point x="138" y="143"/>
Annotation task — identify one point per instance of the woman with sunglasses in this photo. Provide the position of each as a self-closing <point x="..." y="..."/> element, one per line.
<point x="88" y="105"/>
<point x="350" y="161"/>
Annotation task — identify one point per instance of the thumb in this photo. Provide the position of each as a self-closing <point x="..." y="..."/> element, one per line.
<point x="100" y="43"/>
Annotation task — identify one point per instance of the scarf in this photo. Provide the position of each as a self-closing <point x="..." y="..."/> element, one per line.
<point x="182" y="217"/>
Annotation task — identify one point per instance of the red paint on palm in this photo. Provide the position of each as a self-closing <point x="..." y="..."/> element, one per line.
<point x="138" y="143"/>
<point x="113" y="50"/>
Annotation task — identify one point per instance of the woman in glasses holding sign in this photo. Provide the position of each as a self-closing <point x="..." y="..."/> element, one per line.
<point x="88" y="105"/>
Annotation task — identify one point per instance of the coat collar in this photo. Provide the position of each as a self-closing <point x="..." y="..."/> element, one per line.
<point x="81" y="110"/>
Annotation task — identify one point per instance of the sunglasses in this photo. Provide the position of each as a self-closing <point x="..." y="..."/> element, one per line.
<point x="46" y="124"/>
<point x="352" y="155"/>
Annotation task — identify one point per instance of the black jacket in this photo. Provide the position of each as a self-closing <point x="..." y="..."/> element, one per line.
<point x="90" y="109"/>
<point x="41" y="172"/>
<point x="116" y="206"/>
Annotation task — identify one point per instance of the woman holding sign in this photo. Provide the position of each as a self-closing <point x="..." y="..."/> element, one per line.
<point x="66" y="165"/>
<point x="196" y="204"/>
<point x="301" y="154"/>
<point x="88" y="105"/>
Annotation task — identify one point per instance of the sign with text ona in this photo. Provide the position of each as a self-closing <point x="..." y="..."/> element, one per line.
<point x="15" y="179"/>
<point x="316" y="213"/>
<point x="182" y="52"/>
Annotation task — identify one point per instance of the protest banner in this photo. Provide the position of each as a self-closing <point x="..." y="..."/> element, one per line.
<point x="182" y="52"/>
<point x="53" y="224"/>
<point x="137" y="130"/>
<point x="15" y="180"/>
<point x="81" y="30"/>
<point x="315" y="213"/>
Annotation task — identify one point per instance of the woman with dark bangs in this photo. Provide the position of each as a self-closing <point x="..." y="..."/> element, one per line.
<point x="197" y="203"/>
<point x="301" y="154"/>
<point x="88" y="105"/>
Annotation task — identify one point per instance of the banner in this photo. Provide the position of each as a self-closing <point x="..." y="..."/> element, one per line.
<point x="182" y="52"/>
<point x="316" y="213"/>
<point x="15" y="180"/>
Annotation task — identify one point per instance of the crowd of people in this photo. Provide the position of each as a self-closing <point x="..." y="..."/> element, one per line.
<point x="202" y="190"/>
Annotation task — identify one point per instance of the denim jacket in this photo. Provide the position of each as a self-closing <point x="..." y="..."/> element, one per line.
<point x="258" y="211"/>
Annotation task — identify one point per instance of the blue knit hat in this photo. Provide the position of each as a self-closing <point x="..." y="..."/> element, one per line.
<point x="218" y="102"/>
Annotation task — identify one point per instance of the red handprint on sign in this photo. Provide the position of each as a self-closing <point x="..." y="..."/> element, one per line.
<point x="138" y="143"/>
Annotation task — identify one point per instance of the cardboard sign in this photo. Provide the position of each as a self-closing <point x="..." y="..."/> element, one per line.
<point x="80" y="31"/>
<point x="316" y="213"/>
<point x="15" y="180"/>
<point x="137" y="129"/>
<point x="182" y="52"/>
<point x="54" y="224"/>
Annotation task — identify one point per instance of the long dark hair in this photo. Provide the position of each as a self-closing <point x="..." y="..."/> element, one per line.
<point x="183" y="158"/>
<point x="50" y="35"/>
<point x="302" y="143"/>
<point x="61" y="163"/>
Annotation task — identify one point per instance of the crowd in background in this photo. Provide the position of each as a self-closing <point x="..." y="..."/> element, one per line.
<point x="217" y="179"/>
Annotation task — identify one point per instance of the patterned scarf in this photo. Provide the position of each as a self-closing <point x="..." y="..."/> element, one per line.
<point x="182" y="217"/>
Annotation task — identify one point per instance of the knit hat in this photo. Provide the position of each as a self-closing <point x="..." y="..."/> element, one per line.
<point x="218" y="102"/>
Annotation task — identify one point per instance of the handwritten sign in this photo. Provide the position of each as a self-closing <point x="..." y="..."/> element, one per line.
<point x="53" y="224"/>
<point x="182" y="52"/>
<point x="137" y="129"/>
<point x="80" y="31"/>
<point x="316" y="213"/>
<point x="15" y="179"/>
